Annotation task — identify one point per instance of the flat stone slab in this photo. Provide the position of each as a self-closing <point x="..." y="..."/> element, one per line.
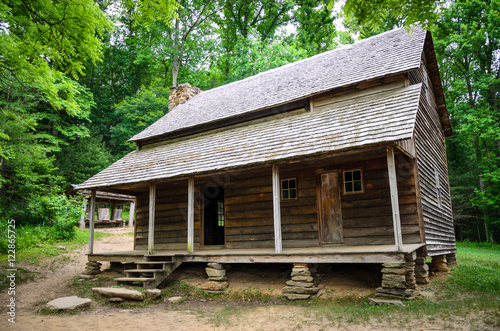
<point x="69" y="303"/>
<point x="214" y="265"/>
<point x="119" y="292"/>
<point x="380" y="301"/>
<point x="293" y="296"/>
<point x="211" y="272"/>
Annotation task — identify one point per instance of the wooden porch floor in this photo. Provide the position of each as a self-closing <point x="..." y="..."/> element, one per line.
<point x="328" y="254"/>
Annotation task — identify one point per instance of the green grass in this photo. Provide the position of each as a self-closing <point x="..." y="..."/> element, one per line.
<point x="478" y="268"/>
<point x="34" y="249"/>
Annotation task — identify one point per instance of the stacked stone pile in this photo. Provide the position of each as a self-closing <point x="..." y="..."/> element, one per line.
<point x="440" y="264"/>
<point x="301" y="287"/>
<point x="411" y="280"/>
<point x="394" y="284"/>
<point x="92" y="268"/>
<point x="217" y="279"/>
<point x="421" y="270"/>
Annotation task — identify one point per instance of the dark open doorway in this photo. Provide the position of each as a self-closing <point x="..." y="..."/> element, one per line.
<point x="213" y="216"/>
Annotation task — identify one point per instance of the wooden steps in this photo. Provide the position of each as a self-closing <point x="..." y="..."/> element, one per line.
<point x="151" y="272"/>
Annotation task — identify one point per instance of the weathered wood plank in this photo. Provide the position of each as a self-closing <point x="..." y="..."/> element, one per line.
<point x="151" y="226"/>
<point x="276" y="208"/>
<point x="391" y="164"/>
<point x="92" y="221"/>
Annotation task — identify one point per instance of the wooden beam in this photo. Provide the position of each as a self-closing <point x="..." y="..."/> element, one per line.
<point x="277" y="209"/>
<point x="131" y="214"/>
<point x="393" y="185"/>
<point x="151" y="228"/>
<point x="91" y="222"/>
<point x="190" y="238"/>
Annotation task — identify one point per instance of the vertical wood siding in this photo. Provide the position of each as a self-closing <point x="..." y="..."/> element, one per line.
<point x="431" y="156"/>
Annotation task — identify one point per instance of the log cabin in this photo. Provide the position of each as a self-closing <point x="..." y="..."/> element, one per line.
<point x="338" y="158"/>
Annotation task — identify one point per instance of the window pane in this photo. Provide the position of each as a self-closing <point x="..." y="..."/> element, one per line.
<point x="293" y="194"/>
<point x="356" y="175"/>
<point x="284" y="184"/>
<point x="292" y="183"/>
<point x="285" y="194"/>
<point x="348" y="176"/>
<point x="348" y="187"/>
<point x="357" y="186"/>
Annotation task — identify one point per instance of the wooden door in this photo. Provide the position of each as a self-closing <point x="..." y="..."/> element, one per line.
<point x="331" y="220"/>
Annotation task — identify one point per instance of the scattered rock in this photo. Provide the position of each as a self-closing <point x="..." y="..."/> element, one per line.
<point x="85" y="276"/>
<point x="116" y="300"/>
<point x="215" y="286"/>
<point x="119" y="292"/>
<point x="174" y="299"/>
<point x="61" y="248"/>
<point x="153" y="293"/>
<point x="69" y="303"/>
<point x="380" y="301"/>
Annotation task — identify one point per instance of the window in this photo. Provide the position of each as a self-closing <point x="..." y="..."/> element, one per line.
<point x="353" y="181"/>
<point x="220" y="213"/>
<point x="289" y="189"/>
<point x="438" y="188"/>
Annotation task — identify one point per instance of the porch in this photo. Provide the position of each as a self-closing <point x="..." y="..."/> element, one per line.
<point x="331" y="254"/>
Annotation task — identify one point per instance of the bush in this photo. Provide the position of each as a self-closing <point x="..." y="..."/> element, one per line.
<point x="58" y="217"/>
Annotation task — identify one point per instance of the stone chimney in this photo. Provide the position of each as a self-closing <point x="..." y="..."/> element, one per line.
<point x="180" y="94"/>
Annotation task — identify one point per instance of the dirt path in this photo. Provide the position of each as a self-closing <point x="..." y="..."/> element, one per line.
<point x="196" y="314"/>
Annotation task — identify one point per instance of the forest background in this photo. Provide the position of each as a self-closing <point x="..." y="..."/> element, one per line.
<point x="80" y="77"/>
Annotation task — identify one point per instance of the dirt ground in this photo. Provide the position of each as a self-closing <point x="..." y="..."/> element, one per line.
<point x="337" y="281"/>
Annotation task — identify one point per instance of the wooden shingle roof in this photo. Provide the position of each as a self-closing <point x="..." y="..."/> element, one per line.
<point x="389" y="53"/>
<point x="376" y="118"/>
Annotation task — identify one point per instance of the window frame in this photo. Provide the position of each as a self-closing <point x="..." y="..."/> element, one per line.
<point x="353" y="181"/>
<point x="289" y="189"/>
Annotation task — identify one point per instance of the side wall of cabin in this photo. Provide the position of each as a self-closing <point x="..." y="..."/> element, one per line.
<point x="433" y="172"/>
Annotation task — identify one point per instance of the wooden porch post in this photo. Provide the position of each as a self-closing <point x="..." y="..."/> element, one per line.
<point x="131" y="214"/>
<point x="190" y="238"/>
<point x="91" y="222"/>
<point x="151" y="227"/>
<point x="277" y="209"/>
<point x="393" y="185"/>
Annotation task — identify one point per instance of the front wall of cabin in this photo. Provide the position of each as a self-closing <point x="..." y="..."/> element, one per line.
<point x="366" y="217"/>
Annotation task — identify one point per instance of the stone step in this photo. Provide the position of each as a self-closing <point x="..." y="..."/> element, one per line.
<point x="134" y="279"/>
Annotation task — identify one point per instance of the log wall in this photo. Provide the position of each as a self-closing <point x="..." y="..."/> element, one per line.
<point x="431" y="156"/>
<point x="367" y="217"/>
<point x="170" y="218"/>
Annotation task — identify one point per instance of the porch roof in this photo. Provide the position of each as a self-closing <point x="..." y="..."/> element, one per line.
<point x="383" y="117"/>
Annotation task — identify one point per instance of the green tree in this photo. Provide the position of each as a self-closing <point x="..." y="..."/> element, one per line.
<point x="137" y="113"/>
<point x="43" y="47"/>
<point x="467" y="41"/>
